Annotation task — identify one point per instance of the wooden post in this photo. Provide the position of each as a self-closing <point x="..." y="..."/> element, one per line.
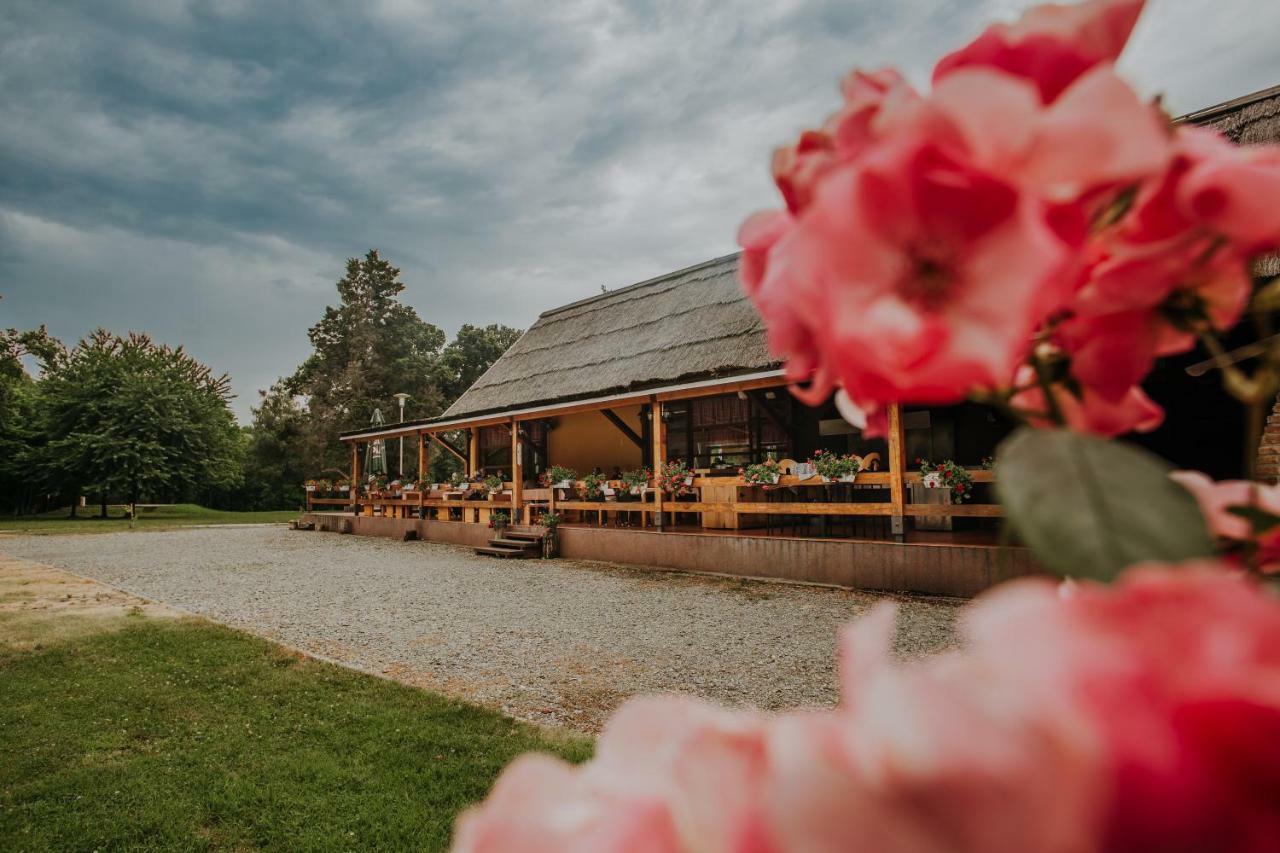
<point x="517" y="472"/>
<point x="897" y="470"/>
<point x="355" y="473"/>
<point x="423" y="451"/>
<point x="473" y="452"/>
<point x="659" y="460"/>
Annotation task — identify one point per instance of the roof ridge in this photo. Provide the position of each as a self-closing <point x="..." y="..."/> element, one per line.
<point x="580" y="365"/>
<point x="648" y="281"/>
<point x="1215" y="110"/>
<point x="656" y="320"/>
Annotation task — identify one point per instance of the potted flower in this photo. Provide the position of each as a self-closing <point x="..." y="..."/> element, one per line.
<point x="593" y="487"/>
<point x="344" y="486"/>
<point x="457" y="479"/>
<point x="549" y="522"/>
<point x="676" y="476"/>
<point x="310" y="485"/>
<point x="559" y="477"/>
<point x="835" y="468"/>
<point x="634" y="481"/>
<point x="947" y="475"/>
<point x="376" y="486"/>
<point x="493" y="483"/>
<point x="766" y="473"/>
<point x="499" y="520"/>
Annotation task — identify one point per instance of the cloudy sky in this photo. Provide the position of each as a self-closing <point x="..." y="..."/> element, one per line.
<point x="200" y="170"/>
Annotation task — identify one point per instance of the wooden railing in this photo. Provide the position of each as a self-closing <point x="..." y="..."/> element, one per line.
<point x="754" y="503"/>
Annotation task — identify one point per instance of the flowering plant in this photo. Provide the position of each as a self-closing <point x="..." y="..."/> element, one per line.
<point x="499" y="518"/>
<point x="831" y="466"/>
<point x="558" y="474"/>
<point x="765" y="473"/>
<point x="457" y="479"/>
<point x="593" y="487"/>
<point x="1032" y="235"/>
<point x="637" y="478"/>
<point x="675" y="476"/>
<point x="549" y="520"/>
<point x="947" y="475"/>
<point x="493" y="483"/>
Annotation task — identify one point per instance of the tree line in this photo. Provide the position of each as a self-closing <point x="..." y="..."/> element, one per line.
<point x="120" y="418"/>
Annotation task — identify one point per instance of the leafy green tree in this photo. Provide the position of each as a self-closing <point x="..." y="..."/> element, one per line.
<point x="20" y="434"/>
<point x="470" y="354"/>
<point x="127" y="416"/>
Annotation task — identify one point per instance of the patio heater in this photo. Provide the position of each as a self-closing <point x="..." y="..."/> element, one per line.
<point x="400" y="398"/>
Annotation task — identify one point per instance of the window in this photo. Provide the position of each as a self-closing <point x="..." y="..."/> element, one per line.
<point x="726" y="432"/>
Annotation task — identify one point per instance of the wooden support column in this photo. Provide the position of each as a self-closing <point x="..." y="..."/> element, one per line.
<point x="473" y="452"/>
<point x="659" y="460"/>
<point x="423" y="452"/>
<point x="897" y="470"/>
<point x="517" y="472"/>
<point x="355" y="473"/>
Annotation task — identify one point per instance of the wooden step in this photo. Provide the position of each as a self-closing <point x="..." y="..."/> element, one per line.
<point x="523" y="535"/>
<point x="514" y="553"/>
<point x="513" y="543"/>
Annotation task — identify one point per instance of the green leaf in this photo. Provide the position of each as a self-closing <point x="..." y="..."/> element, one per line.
<point x="1089" y="507"/>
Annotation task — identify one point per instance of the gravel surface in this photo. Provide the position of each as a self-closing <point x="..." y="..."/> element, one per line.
<point x="556" y="642"/>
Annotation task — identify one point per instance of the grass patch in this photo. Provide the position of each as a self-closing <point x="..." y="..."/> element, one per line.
<point x="159" y="518"/>
<point x="187" y="735"/>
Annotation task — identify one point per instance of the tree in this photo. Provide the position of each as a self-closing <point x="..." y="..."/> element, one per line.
<point x="124" y="415"/>
<point x="366" y="349"/>
<point x="470" y="354"/>
<point x="20" y="428"/>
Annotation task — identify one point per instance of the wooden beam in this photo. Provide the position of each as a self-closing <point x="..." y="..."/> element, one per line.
<point x="659" y="459"/>
<point x="774" y="415"/>
<point x="726" y="388"/>
<point x="517" y="472"/>
<point x="612" y="417"/>
<point x="355" y="471"/>
<point x="449" y="447"/>
<point x="897" y="467"/>
<point x="424" y="453"/>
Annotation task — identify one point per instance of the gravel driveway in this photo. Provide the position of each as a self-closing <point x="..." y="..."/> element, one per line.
<point x="556" y="642"/>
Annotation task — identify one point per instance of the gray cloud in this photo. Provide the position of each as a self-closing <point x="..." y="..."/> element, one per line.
<point x="200" y="170"/>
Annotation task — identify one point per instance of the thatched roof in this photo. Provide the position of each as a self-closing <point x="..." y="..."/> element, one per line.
<point x="687" y="325"/>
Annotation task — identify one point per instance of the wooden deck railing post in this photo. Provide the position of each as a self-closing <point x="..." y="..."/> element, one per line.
<point x="897" y="471"/>
<point x="517" y="472"/>
<point x="659" y="460"/>
<point x="423" y="455"/>
<point x="355" y="474"/>
<point x="473" y="452"/>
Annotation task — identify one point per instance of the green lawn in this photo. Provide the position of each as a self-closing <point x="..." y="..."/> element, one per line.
<point x="186" y="735"/>
<point x="175" y="515"/>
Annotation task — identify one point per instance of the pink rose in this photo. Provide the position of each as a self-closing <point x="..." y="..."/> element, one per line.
<point x="1177" y="671"/>
<point x="1086" y="409"/>
<point x="1051" y="45"/>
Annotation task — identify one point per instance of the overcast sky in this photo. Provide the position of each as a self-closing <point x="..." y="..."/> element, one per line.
<point x="200" y="171"/>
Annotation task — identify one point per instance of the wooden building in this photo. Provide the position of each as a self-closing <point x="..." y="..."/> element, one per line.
<point x="677" y="368"/>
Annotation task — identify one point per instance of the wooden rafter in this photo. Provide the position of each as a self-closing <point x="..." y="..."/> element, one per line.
<point x="449" y="447"/>
<point x="623" y="427"/>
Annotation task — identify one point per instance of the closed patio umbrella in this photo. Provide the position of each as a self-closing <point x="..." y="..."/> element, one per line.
<point x="375" y="460"/>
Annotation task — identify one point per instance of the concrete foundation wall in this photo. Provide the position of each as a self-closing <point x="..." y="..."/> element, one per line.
<point x="957" y="570"/>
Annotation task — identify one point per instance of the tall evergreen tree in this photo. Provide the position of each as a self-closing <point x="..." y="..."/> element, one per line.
<point x="368" y="348"/>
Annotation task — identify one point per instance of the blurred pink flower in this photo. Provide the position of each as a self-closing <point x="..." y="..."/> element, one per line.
<point x="1051" y="45"/>
<point x="1085" y="409"/>
<point x="1177" y="671"/>
<point x="1140" y="716"/>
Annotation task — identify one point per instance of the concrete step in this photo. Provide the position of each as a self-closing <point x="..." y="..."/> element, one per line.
<point x="510" y="553"/>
